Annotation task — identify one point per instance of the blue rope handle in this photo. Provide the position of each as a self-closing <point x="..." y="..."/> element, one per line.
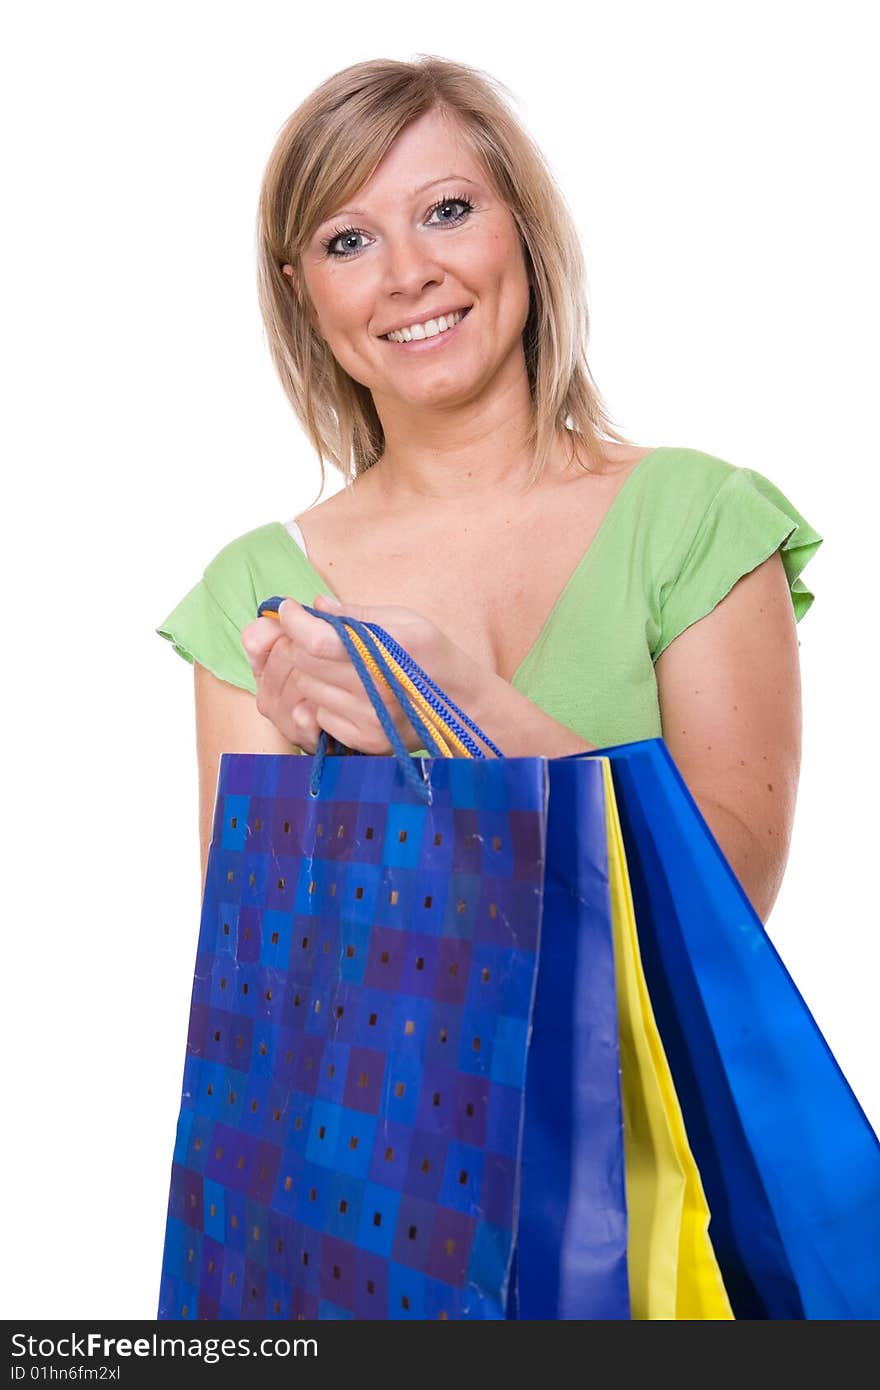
<point x="410" y="709"/>
<point x="415" y="674"/>
<point x="365" y="631"/>
<point x="417" y="780"/>
<point x="437" y="698"/>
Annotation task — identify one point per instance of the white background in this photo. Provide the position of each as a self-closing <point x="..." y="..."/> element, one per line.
<point x="718" y="160"/>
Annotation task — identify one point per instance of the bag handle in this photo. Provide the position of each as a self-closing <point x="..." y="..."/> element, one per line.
<point x="436" y="705"/>
<point x="417" y="778"/>
<point x="434" y="696"/>
<point x="377" y="661"/>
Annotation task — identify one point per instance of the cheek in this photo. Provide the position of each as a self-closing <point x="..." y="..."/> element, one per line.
<point x="519" y="291"/>
<point x="345" y="314"/>
<point x="503" y="266"/>
<point x="510" y="286"/>
<point x="334" y="299"/>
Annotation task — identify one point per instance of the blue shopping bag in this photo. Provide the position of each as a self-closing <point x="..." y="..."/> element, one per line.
<point x="572" y="1232"/>
<point x="790" y="1165"/>
<point x="402" y="1044"/>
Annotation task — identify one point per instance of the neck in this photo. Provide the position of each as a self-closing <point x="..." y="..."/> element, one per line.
<point x="457" y="454"/>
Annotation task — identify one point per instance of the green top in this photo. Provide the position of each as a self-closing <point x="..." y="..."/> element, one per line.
<point x="684" y="527"/>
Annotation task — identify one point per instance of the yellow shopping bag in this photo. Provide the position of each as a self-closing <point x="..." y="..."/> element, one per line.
<point x="673" y="1271"/>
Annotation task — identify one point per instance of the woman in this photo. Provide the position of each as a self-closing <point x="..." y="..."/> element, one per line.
<point x="567" y="588"/>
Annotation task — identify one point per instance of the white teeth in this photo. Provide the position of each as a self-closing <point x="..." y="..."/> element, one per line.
<point x="429" y="329"/>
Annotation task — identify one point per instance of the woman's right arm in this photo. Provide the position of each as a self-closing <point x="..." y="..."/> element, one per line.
<point x="227" y="721"/>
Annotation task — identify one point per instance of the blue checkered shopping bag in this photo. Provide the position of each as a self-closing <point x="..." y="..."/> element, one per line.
<point x="401" y="1093"/>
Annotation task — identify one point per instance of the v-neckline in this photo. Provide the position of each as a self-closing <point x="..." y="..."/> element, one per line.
<point x="572" y="578"/>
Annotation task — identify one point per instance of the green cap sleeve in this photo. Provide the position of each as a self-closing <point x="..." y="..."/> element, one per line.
<point x="748" y="520"/>
<point x="200" y="629"/>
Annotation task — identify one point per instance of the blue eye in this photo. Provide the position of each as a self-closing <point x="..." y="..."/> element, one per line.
<point x="347" y="233"/>
<point x="449" y="202"/>
<point x="350" y="233"/>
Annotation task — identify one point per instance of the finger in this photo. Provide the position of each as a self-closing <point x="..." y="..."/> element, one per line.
<point x="330" y="696"/>
<point x="422" y="638"/>
<point x="281" y="688"/>
<point x="308" y="651"/>
<point x="350" y="733"/>
<point x="307" y="722"/>
<point x="310" y="633"/>
<point x="258" y="638"/>
<point x="279" y="682"/>
<point x="305" y="728"/>
<point x="363" y="612"/>
<point x="320" y="639"/>
<point x="387" y="615"/>
<point x="363" y="728"/>
<point x="341" y="674"/>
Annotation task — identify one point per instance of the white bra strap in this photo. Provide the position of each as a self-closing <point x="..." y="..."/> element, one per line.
<point x="296" y="533"/>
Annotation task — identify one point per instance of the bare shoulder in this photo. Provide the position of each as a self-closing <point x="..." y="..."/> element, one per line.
<point x="591" y="481"/>
<point x="627" y="456"/>
<point x="335" y="514"/>
<point x="617" y="460"/>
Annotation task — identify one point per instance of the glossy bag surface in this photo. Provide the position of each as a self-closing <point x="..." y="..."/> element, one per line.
<point x="355" y="1091"/>
<point x="417" y="984"/>
<point x="789" y="1163"/>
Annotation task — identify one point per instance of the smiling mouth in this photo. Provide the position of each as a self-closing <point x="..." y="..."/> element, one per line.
<point x="428" y="331"/>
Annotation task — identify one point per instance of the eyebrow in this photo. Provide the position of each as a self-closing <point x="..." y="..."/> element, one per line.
<point x="359" y="212"/>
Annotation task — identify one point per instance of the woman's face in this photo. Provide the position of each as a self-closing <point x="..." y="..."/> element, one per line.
<point x="416" y="252"/>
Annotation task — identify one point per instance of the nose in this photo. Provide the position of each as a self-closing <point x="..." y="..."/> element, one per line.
<point x="411" y="265"/>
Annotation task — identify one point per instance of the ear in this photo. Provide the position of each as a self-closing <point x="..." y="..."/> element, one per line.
<point x="289" y="271"/>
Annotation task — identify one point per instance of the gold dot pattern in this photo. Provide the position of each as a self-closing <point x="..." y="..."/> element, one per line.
<point x="340" y="1061"/>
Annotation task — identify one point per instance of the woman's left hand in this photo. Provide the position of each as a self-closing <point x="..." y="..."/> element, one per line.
<point x="306" y="680"/>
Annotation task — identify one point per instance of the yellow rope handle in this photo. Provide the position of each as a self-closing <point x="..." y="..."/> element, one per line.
<point x="438" y="725"/>
<point x="450" y="744"/>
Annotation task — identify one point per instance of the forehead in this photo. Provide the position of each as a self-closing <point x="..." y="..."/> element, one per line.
<point x="431" y="149"/>
<point x="436" y="135"/>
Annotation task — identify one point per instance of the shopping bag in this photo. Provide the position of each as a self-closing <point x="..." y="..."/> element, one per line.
<point x="351" y="1123"/>
<point x="326" y="1170"/>
<point x="790" y="1165"/>
<point x="672" y="1268"/>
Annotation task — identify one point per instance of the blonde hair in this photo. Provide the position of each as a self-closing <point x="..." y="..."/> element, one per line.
<point x="326" y="151"/>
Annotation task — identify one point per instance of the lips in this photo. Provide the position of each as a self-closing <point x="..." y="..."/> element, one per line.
<point x="434" y="344"/>
<point x="463" y="310"/>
